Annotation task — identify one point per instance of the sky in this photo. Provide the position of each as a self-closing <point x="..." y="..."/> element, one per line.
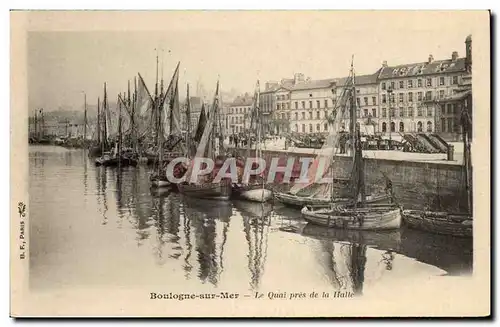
<point x="72" y="53"/>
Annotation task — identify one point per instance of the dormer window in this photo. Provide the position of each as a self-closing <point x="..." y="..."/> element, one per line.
<point x="395" y="71"/>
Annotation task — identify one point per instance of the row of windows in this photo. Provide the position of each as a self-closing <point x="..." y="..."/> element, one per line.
<point x="453" y="80"/>
<point x="410" y="96"/>
<point x="237" y="120"/>
<point x="451" y="108"/>
<point x="243" y="110"/>
<point x="282" y="97"/>
<point x="420" y="127"/>
<point x="407" y="112"/>
<point x="365" y="101"/>
<point x="311" y="130"/>
<point x="318" y="104"/>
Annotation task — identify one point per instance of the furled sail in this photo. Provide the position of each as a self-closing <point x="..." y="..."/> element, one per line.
<point x="202" y="121"/>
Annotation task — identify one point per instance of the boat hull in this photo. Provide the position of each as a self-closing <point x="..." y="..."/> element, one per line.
<point x="301" y="201"/>
<point x="212" y="191"/>
<point x="325" y="202"/>
<point x="459" y="225"/>
<point x="382" y="217"/>
<point x="254" y="193"/>
<point x="115" y="162"/>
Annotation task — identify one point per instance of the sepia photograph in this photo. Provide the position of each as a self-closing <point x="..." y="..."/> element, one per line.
<point x="250" y="163"/>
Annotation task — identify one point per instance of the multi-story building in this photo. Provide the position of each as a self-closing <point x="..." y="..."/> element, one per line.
<point x="238" y="114"/>
<point x="367" y="104"/>
<point x="410" y="94"/>
<point x="282" y="112"/>
<point x="267" y="105"/>
<point x="449" y="115"/>
<point x="309" y="104"/>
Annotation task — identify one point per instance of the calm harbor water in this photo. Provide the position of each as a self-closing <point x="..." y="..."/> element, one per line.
<point x="100" y="227"/>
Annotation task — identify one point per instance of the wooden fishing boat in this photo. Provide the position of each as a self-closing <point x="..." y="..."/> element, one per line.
<point x="292" y="200"/>
<point x="162" y="158"/>
<point x="114" y="160"/>
<point x="205" y="187"/>
<point x="439" y="222"/>
<point x="254" y="189"/>
<point x="454" y="224"/>
<point x="213" y="191"/>
<point x="357" y="213"/>
<point x="361" y="218"/>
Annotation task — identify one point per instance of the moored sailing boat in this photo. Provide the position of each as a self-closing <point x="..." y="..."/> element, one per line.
<point x="167" y="123"/>
<point x="255" y="189"/>
<point x="355" y="212"/>
<point x="319" y="194"/>
<point x="118" y="157"/>
<point x="205" y="186"/>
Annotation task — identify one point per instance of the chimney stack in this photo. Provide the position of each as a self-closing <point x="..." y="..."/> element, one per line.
<point x="454" y="56"/>
<point x="384" y="64"/>
<point x="431" y="59"/>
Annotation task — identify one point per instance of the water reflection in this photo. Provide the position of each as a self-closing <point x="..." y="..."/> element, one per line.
<point x="256" y="222"/>
<point x="216" y="243"/>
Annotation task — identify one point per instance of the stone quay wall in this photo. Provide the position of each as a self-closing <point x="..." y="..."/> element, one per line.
<point x="416" y="184"/>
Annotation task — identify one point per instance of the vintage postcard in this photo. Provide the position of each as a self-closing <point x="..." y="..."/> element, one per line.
<point x="250" y="163"/>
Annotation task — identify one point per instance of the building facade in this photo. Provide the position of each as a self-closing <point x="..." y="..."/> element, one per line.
<point x="282" y="113"/>
<point x="367" y="104"/>
<point x="310" y="102"/>
<point x="266" y="105"/>
<point x="238" y="114"/>
<point x="411" y="95"/>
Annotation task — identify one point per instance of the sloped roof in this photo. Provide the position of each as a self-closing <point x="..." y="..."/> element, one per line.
<point x="423" y="68"/>
<point x="359" y="80"/>
<point x="313" y="84"/>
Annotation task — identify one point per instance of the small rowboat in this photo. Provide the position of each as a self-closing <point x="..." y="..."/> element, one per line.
<point x="325" y="202"/>
<point x="108" y="160"/>
<point x="375" y="217"/>
<point x="439" y="222"/>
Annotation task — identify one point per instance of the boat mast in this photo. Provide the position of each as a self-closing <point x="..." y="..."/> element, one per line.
<point x="160" y="144"/>
<point x="188" y="119"/>
<point x="104" y="113"/>
<point x="466" y="124"/>
<point x="352" y="114"/>
<point x="85" y="118"/>
<point x="119" y="131"/>
<point x="99" y="121"/>
<point x="358" y="174"/>
<point x="157" y="104"/>
<point x="36" y="124"/>
<point x="253" y="116"/>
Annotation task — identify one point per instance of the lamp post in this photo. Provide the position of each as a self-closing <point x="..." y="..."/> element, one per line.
<point x="390" y="94"/>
